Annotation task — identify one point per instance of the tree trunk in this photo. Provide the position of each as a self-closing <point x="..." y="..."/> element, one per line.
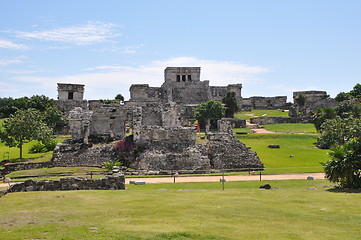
<point x="21" y="151"/>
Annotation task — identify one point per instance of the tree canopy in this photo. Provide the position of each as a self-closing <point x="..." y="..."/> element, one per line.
<point x="211" y="110"/>
<point x="231" y="104"/>
<point x="24" y="126"/>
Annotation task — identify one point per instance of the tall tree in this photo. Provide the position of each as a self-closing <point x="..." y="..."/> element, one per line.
<point x="231" y="104"/>
<point x="211" y="110"/>
<point x="22" y="127"/>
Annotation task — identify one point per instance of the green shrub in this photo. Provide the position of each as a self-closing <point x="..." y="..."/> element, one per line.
<point x="109" y="165"/>
<point x="43" y="147"/>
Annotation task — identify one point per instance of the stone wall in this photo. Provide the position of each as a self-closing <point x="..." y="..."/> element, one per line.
<point x="8" y="168"/>
<point x="271" y="103"/>
<point x="226" y="152"/>
<point x="110" y="121"/>
<point x="79" y="154"/>
<point x="276" y="120"/>
<point x="72" y="183"/>
<point x="66" y="106"/>
<point x="218" y="92"/>
<point x="170" y="138"/>
<point x="312" y="101"/>
<point x="143" y="93"/>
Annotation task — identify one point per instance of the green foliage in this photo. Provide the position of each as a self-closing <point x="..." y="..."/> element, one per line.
<point x="119" y="98"/>
<point x="231" y="104"/>
<point x="321" y="115"/>
<point x="356" y="91"/>
<point x="349" y="108"/>
<point x="342" y="96"/>
<point x="300" y="99"/>
<point x="53" y="117"/>
<point x="22" y="127"/>
<point x="211" y="110"/>
<point x="40" y="147"/>
<point x="108" y="101"/>
<point x="337" y="131"/>
<point x="9" y="106"/>
<point x="109" y="165"/>
<point x="345" y="164"/>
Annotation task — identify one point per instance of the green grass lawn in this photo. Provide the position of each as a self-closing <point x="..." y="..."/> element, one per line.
<point x="14" y="153"/>
<point x="260" y="113"/>
<point x="185" y="211"/>
<point x="306" y="157"/>
<point x="291" y="127"/>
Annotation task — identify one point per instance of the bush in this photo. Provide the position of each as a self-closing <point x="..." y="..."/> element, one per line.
<point x="43" y="147"/>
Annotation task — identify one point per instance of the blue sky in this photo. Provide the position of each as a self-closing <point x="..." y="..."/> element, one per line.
<point x="272" y="47"/>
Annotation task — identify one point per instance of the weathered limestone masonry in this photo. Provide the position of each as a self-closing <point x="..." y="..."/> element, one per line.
<point x="80" y="154"/>
<point x="312" y="101"/>
<point x="168" y="150"/>
<point x="271" y="103"/>
<point x="73" y="183"/>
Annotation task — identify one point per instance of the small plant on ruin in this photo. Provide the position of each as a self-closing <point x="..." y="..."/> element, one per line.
<point x="109" y="165"/>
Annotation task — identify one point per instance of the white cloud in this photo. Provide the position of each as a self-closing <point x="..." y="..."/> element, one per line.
<point x="103" y="81"/>
<point x="6" y="62"/>
<point x="92" y="32"/>
<point x="10" y="45"/>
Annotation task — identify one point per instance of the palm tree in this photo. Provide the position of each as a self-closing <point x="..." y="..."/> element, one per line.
<point x="345" y="164"/>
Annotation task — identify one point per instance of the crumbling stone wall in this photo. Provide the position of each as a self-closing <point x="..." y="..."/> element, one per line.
<point x="66" y="106"/>
<point x="71" y="183"/>
<point x="313" y="101"/>
<point x="271" y="103"/>
<point x="110" y="121"/>
<point x="170" y="138"/>
<point x="80" y="154"/>
<point x="79" y="121"/>
<point x="142" y="93"/>
<point x="226" y="152"/>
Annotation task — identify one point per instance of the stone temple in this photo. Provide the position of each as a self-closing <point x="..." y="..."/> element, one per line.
<point x="160" y="122"/>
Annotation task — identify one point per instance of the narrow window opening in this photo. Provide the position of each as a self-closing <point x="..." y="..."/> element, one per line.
<point x="189" y="77"/>
<point x="70" y="95"/>
<point x="178" y="78"/>
<point x="183" y="78"/>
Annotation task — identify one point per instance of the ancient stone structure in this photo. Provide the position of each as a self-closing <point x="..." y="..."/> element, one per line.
<point x="279" y="102"/>
<point x="307" y="102"/>
<point x="160" y="121"/>
<point x="73" y="183"/>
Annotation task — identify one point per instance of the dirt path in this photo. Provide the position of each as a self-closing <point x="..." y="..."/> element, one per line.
<point x="255" y="177"/>
<point x="256" y="128"/>
<point x="252" y="177"/>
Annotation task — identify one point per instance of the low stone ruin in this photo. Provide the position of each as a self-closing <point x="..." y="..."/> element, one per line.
<point x="72" y="183"/>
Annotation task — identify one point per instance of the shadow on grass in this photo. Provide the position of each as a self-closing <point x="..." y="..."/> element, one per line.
<point x="344" y="190"/>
